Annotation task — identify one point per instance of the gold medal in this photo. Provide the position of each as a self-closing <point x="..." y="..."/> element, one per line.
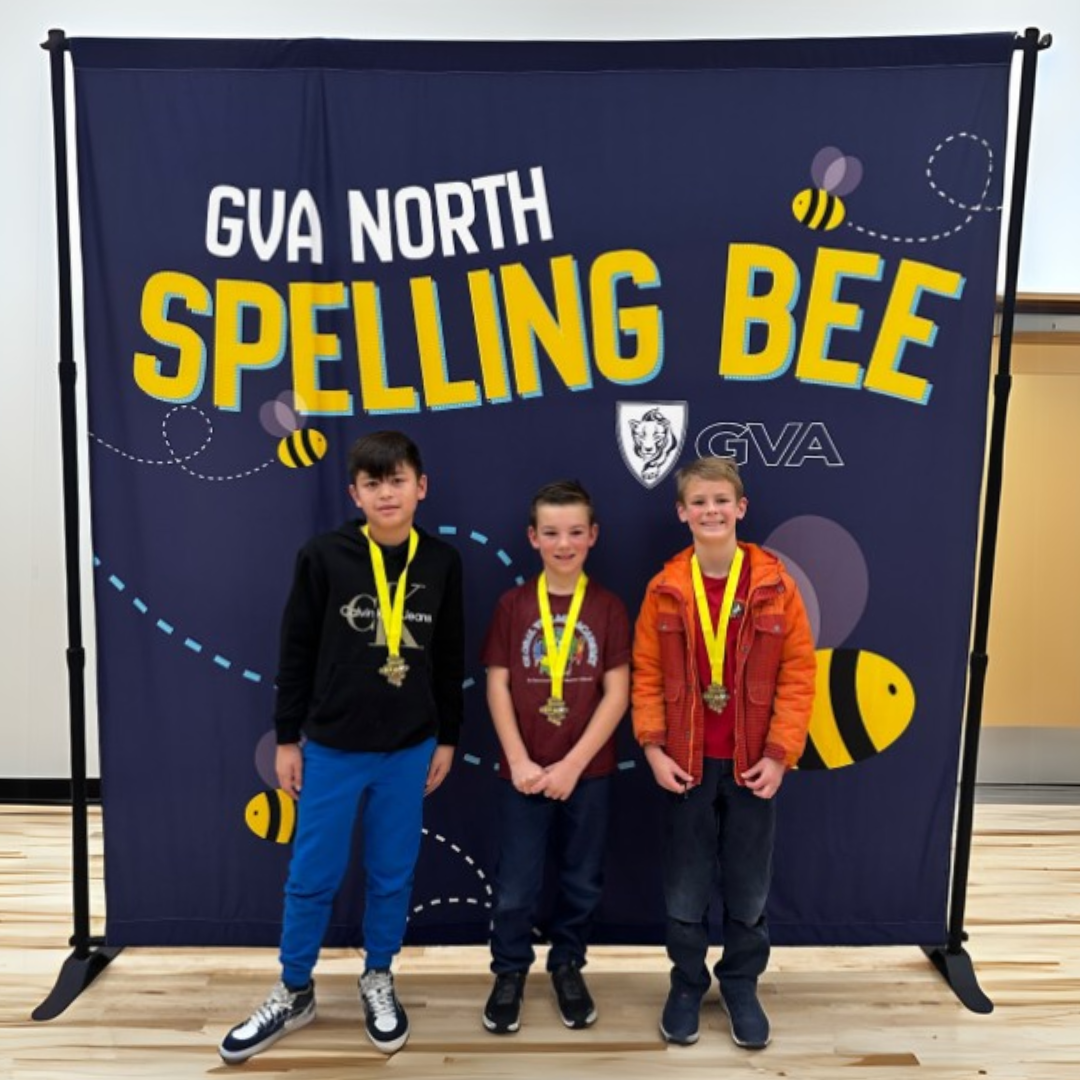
<point x="392" y="613"/>
<point x="394" y="670"/>
<point x="557" y="653"/>
<point x="716" y="695"/>
<point x="556" y="710"/>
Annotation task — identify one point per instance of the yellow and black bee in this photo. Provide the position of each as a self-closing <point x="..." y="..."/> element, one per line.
<point x="834" y="174"/>
<point x="271" y="815"/>
<point x="298" y="446"/>
<point x="302" y="448"/>
<point x="863" y="704"/>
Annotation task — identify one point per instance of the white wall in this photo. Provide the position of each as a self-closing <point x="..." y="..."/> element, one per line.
<point x="33" y="680"/>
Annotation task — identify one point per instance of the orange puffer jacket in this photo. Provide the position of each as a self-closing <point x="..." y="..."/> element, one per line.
<point x="775" y="667"/>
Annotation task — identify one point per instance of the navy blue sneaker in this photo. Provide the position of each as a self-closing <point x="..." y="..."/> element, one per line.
<point x="679" y="1021"/>
<point x="283" y="1011"/>
<point x="749" y="1024"/>
<point x="385" y="1020"/>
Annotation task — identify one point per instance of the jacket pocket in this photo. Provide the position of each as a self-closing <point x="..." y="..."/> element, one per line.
<point x="673" y="646"/>
<point x="763" y="663"/>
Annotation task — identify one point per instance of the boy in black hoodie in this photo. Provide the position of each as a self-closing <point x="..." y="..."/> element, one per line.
<point x="370" y="675"/>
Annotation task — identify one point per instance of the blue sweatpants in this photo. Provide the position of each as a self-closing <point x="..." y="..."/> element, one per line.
<point x="334" y="782"/>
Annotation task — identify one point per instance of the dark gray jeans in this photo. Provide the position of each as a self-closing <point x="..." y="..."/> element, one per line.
<point x="717" y="831"/>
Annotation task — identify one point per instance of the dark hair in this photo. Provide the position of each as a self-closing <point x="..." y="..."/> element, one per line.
<point x="561" y="493"/>
<point x="379" y="454"/>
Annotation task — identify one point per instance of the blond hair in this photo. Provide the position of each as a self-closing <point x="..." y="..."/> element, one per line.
<point x="710" y="468"/>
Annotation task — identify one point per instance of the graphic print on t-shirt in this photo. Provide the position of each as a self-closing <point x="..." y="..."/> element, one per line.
<point x="584" y="652"/>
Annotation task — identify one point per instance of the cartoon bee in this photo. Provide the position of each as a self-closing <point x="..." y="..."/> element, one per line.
<point x="864" y="701"/>
<point x="834" y="174"/>
<point x="284" y="418"/>
<point x="271" y="815"/>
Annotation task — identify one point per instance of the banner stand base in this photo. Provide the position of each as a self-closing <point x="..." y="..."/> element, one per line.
<point x="78" y="972"/>
<point x="957" y="970"/>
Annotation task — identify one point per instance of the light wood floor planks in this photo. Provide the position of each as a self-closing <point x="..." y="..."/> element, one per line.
<point x="838" y="1014"/>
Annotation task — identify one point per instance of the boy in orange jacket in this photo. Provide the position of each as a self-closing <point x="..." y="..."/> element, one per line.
<point x="723" y="687"/>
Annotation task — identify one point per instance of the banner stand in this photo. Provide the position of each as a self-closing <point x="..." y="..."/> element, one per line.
<point x="91" y="955"/>
<point x="952" y="960"/>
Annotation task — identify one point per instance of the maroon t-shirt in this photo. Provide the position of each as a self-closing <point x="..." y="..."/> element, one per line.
<point x="515" y="640"/>
<point x="720" y="726"/>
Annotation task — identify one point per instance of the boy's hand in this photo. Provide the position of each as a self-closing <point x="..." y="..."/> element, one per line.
<point x="764" y="778"/>
<point x="439" y="768"/>
<point x="558" y="781"/>
<point x="289" y="767"/>
<point x="666" y="772"/>
<point x="524" y="775"/>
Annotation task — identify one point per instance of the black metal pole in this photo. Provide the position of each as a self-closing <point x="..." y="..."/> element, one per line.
<point x="88" y="959"/>
<point x="953" y="961"/>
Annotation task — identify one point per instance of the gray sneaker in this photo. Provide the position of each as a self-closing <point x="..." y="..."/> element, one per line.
<point x="283" y="1011"/>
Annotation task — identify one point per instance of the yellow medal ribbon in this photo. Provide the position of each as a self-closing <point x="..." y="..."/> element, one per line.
<point x="716" y="695"/>
<point x="558" y="652"/>
<point x="392" y="615"/>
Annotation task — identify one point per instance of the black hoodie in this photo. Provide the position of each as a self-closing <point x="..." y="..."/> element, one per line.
<point x="333" y="644"/>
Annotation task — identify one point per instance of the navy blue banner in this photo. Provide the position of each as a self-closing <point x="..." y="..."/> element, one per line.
<point x="595" y="260"/>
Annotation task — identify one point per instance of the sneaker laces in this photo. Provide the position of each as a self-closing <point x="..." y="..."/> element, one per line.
<point x="279" y="1003"/>
<point x="571" y="983"/>
<point x="505" y="989"/>
<point x="378" y="990"/>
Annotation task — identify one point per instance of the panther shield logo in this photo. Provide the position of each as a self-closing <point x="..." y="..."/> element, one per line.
<point x="650" y="436"/>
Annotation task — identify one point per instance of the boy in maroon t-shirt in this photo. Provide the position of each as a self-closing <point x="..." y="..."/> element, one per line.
<point x="558" y="680"/>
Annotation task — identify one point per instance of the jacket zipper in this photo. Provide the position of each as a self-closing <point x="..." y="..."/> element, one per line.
<point x="694" y="696"/>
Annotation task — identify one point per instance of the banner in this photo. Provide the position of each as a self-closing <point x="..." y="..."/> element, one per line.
<point x="540" y="260"/>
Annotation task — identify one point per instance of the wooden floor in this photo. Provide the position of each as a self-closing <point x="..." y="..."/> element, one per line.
<point x="839" y="1014"/>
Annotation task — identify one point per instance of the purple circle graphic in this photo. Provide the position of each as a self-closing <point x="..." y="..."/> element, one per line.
<point x="806" y="589"/>
<point x="265" y="754"/>
<point x="831" y="559"/>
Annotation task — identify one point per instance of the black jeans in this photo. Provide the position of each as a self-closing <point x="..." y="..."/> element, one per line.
<point x="717" y="826"/>
<point x="576" y="832"/>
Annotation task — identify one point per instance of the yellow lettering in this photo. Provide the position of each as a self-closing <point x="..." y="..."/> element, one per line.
<point x="489" y="339"/>
<point x="901" y="325"/>
<point x="644" y="323"/>
<point x="529" y="320"/>
<point x="186" y="382"/>
<point x="231" y="353"/>
<point x="826" y="312"/>
<point x="375" y="394"/>
<point x="439" y="391"/>
<point x="743" y="308"/>
<point x="310" y="348"/>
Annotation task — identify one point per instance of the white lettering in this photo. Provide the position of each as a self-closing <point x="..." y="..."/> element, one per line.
<point x="412" y="221"/>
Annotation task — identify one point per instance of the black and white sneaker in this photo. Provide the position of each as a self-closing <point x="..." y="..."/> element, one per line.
<point x="502" y="1013"/>
<point x="385" y="1019"/>
<point x="283" y="1011"/>
<point x="576" y="1005"/>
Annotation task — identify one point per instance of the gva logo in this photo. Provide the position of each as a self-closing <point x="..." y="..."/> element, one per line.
<point x="796" y="443"/>
<point x="650" y="435"/>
